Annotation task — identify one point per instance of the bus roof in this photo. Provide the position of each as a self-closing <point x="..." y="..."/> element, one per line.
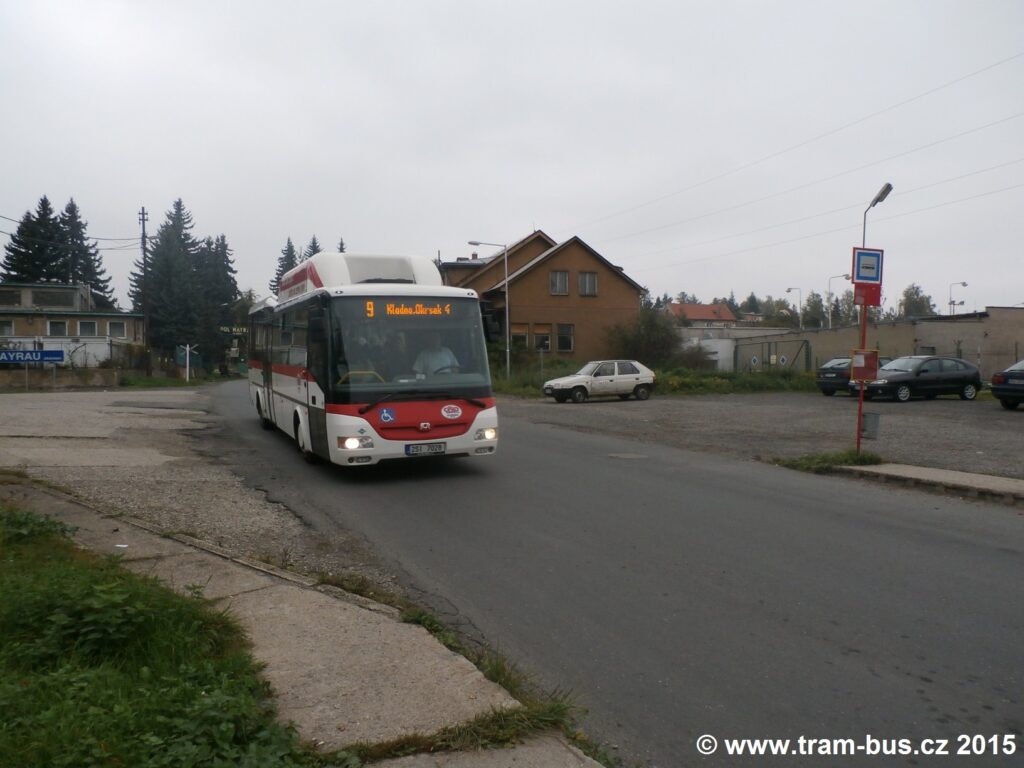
<point x="334" y="270"/>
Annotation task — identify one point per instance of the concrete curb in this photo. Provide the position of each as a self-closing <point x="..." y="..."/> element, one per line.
<point x="1003" y="490"/>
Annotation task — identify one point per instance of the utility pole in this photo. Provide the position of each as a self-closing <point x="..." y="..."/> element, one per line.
<point x="143" y="218"/>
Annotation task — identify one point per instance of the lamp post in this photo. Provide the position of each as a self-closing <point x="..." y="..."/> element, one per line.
<point x="845" y="277"/>
<point x="508" y="327"/>
<point x="799" y="306"/>
<point x="962" y="284"/>
<point x="882" y="194"/>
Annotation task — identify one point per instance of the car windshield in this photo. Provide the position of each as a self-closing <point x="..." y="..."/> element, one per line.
<point x="906" y="364"/>
<point x="837" y="362"/>
<point x="587" y="369"/>
<point x="1018" y="366"/>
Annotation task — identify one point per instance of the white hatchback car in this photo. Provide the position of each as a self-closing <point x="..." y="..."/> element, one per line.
<point x="601" y="378"/>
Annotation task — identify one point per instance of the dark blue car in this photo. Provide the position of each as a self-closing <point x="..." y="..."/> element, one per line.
<point x="1008" y="386"/>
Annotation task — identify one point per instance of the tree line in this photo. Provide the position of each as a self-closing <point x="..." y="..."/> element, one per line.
<point x="291" y="258"/>
<point x="815" y="311"/>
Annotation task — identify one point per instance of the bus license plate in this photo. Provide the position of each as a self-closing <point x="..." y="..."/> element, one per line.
<point x="424" y="449"/>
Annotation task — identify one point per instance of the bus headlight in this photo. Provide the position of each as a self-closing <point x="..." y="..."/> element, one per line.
<point x="355" y="443"/>
<point x="486" y="433"/>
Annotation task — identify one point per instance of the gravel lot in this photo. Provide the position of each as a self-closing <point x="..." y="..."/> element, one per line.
<point x="947" y="433"/>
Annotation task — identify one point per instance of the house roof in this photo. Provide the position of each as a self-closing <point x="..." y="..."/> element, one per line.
<point x="481" y="266"/>
<point x="703" y="312"/>
<point x="554" y="249"/>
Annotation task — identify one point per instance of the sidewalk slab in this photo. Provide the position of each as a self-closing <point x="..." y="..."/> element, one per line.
<point x="1005" y="488"/>
<point x="539" y="752"/>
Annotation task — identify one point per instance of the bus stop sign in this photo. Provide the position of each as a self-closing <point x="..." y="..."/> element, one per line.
<point x="31" y="355"/>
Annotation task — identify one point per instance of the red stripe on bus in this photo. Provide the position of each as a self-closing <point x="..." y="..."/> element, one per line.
<point x="303" y="273"/>
<point x="295" y="371"/>
<point x="257" y="364"/>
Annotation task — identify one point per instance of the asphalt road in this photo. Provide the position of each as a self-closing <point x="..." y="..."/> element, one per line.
<point x="678" y="593"/>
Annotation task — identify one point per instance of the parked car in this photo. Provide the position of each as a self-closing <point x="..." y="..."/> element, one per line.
<point x="924" y="376"/>
<point x="834" y="375"/>
<point x="1008" y="386"/>
<point x="600" y="378"/>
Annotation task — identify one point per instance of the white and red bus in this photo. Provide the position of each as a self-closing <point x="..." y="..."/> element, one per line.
<point x="365" y="358"/>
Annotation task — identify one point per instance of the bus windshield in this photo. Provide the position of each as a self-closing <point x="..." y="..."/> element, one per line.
<point x="394" y="345"/>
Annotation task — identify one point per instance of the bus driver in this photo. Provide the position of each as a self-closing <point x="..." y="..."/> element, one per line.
<point x="435" y="358"/>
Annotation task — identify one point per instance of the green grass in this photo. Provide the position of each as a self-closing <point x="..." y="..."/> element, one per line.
<point x="100" y="667"/>
<point x="823" y="463"/>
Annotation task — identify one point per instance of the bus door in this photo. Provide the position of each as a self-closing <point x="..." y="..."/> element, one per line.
<point x="318" y="384"/>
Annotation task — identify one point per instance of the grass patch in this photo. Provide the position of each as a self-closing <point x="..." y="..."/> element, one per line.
<point x="101" y="667"/>
<point x="823" y="463"/>
<point x="499" y="728"/>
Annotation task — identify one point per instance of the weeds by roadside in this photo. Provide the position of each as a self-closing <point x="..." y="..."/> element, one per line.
<point x="823" y="463"/>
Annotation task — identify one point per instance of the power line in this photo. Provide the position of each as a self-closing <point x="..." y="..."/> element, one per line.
<point x="801" y="144"/>
<point x="813" y="183"/>
<point x="853" y="206"/>
<point x="58" y="244"/>
<point x="18" y="221"/>
<point x="825" y="232"/>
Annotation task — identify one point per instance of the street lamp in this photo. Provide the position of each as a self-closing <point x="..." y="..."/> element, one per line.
<point x="799" y="306"/>
<point x="508" y="327"/>
<point x="962" y="284"/>
<point x="845" y="277"/>
<point x="882" y="194"/>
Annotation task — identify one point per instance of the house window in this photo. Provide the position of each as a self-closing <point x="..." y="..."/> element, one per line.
<point x="518" y="340"/>
<point x="565" y="337"/>
<point x="57" y="328"/>
<point x="86" y="327"/>
<point x="559" y="283"/>
<point x="10" y="297"/>
<point x="116" y="329"/>
<point x="6" y="327"/>
<point x="53" y="298"/>
<point x="588" y="283"/>
<point x="542" y="341"/>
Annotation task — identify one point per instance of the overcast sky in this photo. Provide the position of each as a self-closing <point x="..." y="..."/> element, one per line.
<point x="709" y="146"/>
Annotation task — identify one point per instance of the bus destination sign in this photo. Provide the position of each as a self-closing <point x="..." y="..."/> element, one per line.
<point x="401" y="309"/>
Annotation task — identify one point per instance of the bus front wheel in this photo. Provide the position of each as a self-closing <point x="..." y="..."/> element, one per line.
<point x="307" y="454"/>
<point x="264" y="421"/>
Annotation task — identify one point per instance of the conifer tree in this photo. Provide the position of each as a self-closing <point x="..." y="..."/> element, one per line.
<point x="172" y="289"/>
<point x="35" y="251"/>
<point x="82" y="263"/>
<point x="312" y="249"/>
<point x="288" y="260"/>
<point x="341" y="245"/>
<point x="216" y="292"/>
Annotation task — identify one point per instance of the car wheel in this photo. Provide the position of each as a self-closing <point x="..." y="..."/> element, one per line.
<point x="561" y="398"/>
<point x="828" y="392"/>
<point x="642" y="392"/>
<point x="969" y="392"/>
<point x="579" y="395"/>
<point x="903" y="393"/>
<point x="1009" y="404"/>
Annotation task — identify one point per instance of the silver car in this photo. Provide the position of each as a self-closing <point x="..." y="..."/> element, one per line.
<point x="603" y="378"/>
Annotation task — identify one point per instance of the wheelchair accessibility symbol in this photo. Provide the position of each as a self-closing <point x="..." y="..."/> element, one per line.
<point x="387" y="415"/>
